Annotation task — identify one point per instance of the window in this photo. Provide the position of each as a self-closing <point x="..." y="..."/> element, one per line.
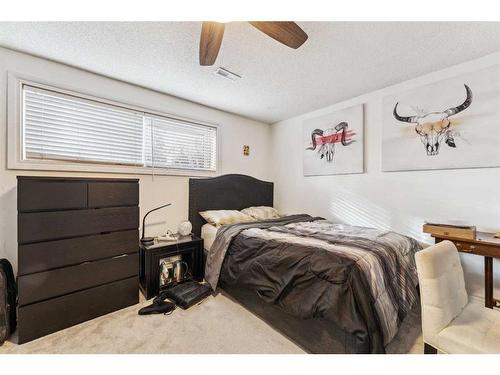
<point x="174" y="144"/>
<point x="62" y="127"/>
<point x="59" y="126"/>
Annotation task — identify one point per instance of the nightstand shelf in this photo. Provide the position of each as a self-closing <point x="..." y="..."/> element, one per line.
<point x="189" y="248"/>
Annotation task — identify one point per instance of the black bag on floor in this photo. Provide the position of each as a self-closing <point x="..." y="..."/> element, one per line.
<point x="187" y="294"/>
<point x="8" y="297"/>
<point x="158" y="307"/>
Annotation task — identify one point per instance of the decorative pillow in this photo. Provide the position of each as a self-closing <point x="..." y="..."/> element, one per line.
<point x="223" y="217"/>
<point x="261" y="212"/>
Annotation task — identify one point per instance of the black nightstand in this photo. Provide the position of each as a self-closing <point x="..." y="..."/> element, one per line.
<point x="188" y="248"/>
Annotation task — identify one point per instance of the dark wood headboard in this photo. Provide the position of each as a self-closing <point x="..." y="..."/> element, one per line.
<point x="226" y="192"/>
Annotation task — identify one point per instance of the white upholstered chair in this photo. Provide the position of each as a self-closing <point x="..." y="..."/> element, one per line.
<point x="450" y="323"/>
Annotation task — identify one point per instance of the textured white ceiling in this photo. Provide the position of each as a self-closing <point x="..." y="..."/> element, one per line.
<point x="340" y="60"/>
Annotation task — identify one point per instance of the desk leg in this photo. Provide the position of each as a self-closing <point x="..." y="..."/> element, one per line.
<point x="488" y="282"/>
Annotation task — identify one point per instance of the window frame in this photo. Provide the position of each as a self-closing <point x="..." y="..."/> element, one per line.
<point x="15" y="133"/>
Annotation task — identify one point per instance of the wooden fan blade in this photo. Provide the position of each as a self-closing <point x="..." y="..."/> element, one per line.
<point x="210" y="41"/>
<point x="288" y="33"/>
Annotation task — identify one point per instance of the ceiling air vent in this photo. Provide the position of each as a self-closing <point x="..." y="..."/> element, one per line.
<point x="227" y="74"/>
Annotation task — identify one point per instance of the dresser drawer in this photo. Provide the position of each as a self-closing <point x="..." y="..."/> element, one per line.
<point x="44" y="226"/>
<point x="113" y="194"/>
<point x="45" y="195"/>
<point x="42" y="318"/>
<point x="43" y="256"/>
<point x="44" y="285"/>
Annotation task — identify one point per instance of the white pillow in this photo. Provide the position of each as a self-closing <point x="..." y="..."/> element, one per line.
<point x="261" y="212"/>
<point x="223" y="217"/>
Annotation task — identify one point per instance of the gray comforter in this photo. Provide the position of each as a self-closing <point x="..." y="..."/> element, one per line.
<point x="362" y="279"/>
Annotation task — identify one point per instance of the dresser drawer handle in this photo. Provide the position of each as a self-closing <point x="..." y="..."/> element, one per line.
<point x="472" y="247"/>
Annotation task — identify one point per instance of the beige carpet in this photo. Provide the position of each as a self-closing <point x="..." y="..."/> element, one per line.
<point x="218" y="325"/>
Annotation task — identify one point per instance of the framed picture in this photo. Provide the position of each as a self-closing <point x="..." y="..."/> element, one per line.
<point x="453" y="123"/>
<point x="333" y="143"/>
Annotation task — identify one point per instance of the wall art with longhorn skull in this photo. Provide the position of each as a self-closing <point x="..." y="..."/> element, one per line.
<point x="333" y="143"/>
<point x="453" y="123"/>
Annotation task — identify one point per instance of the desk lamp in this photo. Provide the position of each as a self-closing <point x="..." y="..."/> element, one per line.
<point x="149" y="240"/>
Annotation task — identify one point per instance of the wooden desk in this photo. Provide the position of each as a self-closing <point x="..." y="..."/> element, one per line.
<point x="486" y="245"/>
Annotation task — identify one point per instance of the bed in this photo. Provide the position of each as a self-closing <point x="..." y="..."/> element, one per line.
<point x="329" y="288"/>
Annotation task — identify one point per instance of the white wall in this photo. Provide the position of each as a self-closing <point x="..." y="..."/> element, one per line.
<point x="398" y="200"/>
<point x="235" y="132"/>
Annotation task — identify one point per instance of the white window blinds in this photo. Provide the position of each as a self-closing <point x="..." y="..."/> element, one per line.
<point x="179" y="145"/>
<point x="58" y="126"/>
<point x="71" y="128"/>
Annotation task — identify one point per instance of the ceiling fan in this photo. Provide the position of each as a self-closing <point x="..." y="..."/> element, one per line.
<point x="288" y="33"/>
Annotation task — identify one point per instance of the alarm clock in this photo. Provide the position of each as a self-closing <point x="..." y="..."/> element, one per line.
<point x="185" y="228"/>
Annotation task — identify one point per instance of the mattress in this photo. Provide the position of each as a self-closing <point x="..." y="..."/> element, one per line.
<point x="208" y="233"/>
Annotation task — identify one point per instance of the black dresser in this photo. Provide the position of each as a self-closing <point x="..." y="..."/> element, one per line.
<point x="77" y="251"/>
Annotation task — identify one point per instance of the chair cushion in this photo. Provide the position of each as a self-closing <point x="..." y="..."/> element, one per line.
<point x="475" y="330"/>
<point x="442" y="288"/>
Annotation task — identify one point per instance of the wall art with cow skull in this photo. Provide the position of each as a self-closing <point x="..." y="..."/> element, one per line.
<point x="453" y="123"/>
<point x="333" y="143"/>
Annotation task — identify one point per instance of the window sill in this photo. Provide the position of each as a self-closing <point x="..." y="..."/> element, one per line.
<point x="61" y="166"/>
